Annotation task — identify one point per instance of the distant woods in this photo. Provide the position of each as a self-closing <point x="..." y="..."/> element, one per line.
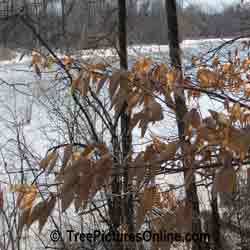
<point x="89" y="24"/>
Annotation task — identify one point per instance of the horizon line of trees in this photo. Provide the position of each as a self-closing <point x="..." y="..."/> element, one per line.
<point x="90" y="24"/>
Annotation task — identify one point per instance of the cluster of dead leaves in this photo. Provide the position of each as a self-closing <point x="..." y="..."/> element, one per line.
<point x="175" y="216"/>
<point x="39" y="212"/>
<point x="151" y="112"/>
<point x="79" y="179"/>
<point x="41" y="62"/>
<point x="147" y="164"/>
<point x="81" y="176"/>
<point x="26" y="195"/>
<point x="231" y="76"/>
<point x="217" y="132"/>
<point x="218" y="129"/>
<point x="31" y="212"/>
<point x="153" y="197"/>
<point x="135" y="87"/>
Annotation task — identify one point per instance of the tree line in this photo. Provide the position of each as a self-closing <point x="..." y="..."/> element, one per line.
<point x="89" y="24"/>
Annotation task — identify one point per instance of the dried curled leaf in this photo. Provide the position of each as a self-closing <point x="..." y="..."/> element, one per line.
<point x="26" y="195"/>
<point x="49" y="206"/>
<point x="22" y="188"/>
<point x="220" y="118"/>
<point x="50" y="158"/>
<point x="66" y="199"/>
<point x="153" y="111"/>
<point x="66" y="155"/>
<point x="236" y="112"/>
<point x="25" y="200"/>
<point x="192" y="118"/>
<point x="238" y="141"/>
<point x="23" y="219"/>
<point x="35" y="212"/>
<point x="82" y="82"/>
<point x="100" y="84"/>
<point x="207" y="78"/>
<point x="114" y="84"/>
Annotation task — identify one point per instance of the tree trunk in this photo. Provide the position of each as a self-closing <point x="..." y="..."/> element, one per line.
<point x="122" y="26"/>
<point x="45" y="18"/>
<point x="215" y="220"/>
<point x="63" y="22"/>
<point x="181" y="109"/>
<point x="125" y="121"/>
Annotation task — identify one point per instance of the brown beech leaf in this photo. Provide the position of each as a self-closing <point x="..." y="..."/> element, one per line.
<point x="37" y="70"/>
<point x="207" y="78"/>
<point x="143" y="125"/>
<point x="192" y="118"/>
<point x="239" y="141"/>
<point x="85" y="185"/>
<point x="133" y="100"/>
<point x="102" y="172"/>
<point x="23" y="219"/>
<point x="50" y="204"/>
<point x="220" y="118"/>
<point x="189" y="174"/>
<point x="236" y="112"/>
<point x="47" y="160"/>
<point x="154" y="111"/>
<point x="210" y="135"/>
<point x="81" y="83"/>
<point x="117" y="100"/>
<point x="66" y="199"/>
<point x="101" y="83"/>
<point x="53" y="162"/>
<point x="103" y="149"/>
<point x="159" y="146"/>
<point x="27" y="199"/>
<point x="71" y="174"/>
<point x="84" y="87"/>
<point x="225" y="180"/>
<point x="36" y="212"/>
<point x="135" y="119"/>
<point x="67" y="154"/>
<point x="114" y="83"/>
<point x="124" y="82"/>
<point x="70" y="178"/>
<point x="88" y="150"/>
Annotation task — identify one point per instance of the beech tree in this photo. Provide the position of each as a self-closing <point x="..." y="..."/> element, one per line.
<point x="104" y="175"/>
